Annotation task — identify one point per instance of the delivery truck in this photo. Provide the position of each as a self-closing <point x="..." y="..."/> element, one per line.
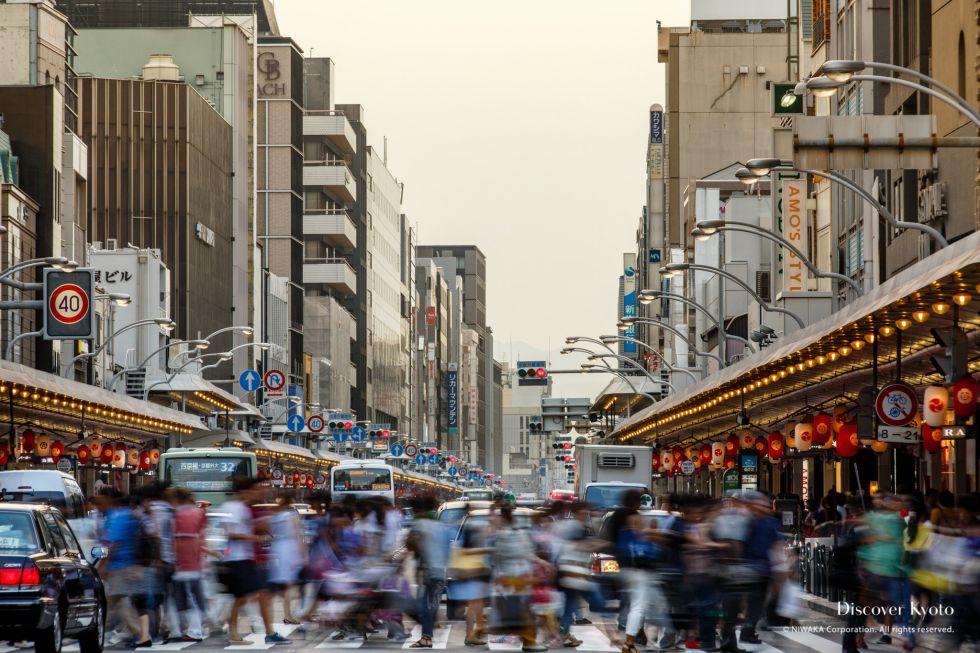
<point x="605" y="472"/>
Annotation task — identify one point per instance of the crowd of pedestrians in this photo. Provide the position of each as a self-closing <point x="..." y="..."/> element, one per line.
<point x="696" y="573"/>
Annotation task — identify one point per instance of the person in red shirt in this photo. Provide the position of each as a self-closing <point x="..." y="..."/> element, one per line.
<point x="190" y="548"/>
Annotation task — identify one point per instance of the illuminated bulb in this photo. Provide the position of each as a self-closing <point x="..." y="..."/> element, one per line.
<point x="886" y="331"/>
<point x="35" y="396"/>
<point x="920" y="315"/>
<point x="810" y="362"/>
<point x="961" y="299"/>
<point x="782" y="374"/>
<point x="845" y="351"/>
<point x="833" y="356"/>
<point x="773" y="377"/>
<point x="800" y="367"/>
<point x="821" y="359"/>
<point x="791" y="369"/>
<point x="903" y="323"/>
<point x="858" y="345"/>
<point x="940" y="308"/>
<point x="869" y="338"/>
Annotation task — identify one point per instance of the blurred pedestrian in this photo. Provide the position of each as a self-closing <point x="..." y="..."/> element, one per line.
<point x="287" y="554"/>
<point x="429" y="542"/>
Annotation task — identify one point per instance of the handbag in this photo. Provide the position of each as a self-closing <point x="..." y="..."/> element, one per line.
<point x="468" y="564"/>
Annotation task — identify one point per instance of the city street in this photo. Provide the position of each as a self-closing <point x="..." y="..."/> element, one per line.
<point x="805" y="638"/>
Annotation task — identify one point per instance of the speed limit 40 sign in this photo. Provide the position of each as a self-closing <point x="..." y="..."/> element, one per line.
<point x="68" y="304"/>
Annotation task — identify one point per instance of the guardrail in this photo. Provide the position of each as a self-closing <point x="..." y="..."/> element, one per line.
<point x="815" y="560"/>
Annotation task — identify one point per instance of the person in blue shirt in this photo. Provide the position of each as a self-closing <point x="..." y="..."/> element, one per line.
<point x="122" y="571"/>
<point x="763" y="537"/>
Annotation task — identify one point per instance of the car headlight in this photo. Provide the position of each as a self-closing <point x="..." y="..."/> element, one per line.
<point x="605" y="566"/>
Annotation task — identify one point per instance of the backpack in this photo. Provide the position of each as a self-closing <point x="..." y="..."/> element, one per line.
<point x="147" y="545"/>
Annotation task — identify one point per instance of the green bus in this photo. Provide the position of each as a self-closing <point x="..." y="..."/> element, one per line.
<point x="206" y="471"/>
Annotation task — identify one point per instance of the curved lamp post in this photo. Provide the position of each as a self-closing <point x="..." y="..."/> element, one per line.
<point x="163" y="322"/>
<point x="670" y="368"/>
<point x="653" y="294"/>
<point x="626" y="321"/>
<point x="761" y="167"/>
<point x="198" y="344"/>
<point x="592" y="367"/>
<point x="571" y="340"/>
<point x="710" y="227"/>
<point x="223" y="356"/>
<point x="681" y="267"/>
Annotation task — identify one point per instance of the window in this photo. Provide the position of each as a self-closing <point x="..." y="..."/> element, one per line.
<point x="17" y="533"/>
<point x="70" y="541"/>
<point x="961" y="67"/>
<point x="54" y="534"/>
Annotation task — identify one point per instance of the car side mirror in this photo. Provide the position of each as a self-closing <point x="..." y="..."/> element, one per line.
<point x="97" y="553"/>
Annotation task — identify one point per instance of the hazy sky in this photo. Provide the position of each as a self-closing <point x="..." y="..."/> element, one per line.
<point x="518" y="126"/>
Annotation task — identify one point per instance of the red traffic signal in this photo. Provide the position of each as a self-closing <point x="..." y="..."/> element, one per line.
<point x="348" y="425"/>
<point x="567" y="445"/>
<point x="452" y="459"/>
<point x="385" y="433"/>
<point x="541" y="372"/>
<point x="568" y="459"/>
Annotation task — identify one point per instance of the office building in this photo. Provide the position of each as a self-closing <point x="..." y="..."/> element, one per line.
<point x="172" y="13"/>
<point x="161" y="178"/>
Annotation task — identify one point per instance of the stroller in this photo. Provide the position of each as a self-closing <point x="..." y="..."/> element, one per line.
<point x="354" y="602"/>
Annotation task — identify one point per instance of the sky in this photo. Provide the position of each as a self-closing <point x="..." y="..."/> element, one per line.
<point x="518" y="126"/>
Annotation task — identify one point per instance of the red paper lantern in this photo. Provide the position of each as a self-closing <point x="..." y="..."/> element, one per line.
<point x="729" y="463"/>
<point x="705" y="454"/>
<point x="964" y="394"/>
<point x="731" y="446"/>
<point x="847" y="439"/>
<point x="310" y="482"/>
<point x="932" y="438"/>
<point x="655" y="461"/>
<point x="761" y="445"/>
<point x="775" y="445"/>
<point x="822" y="429"/>
<point x="935" y="403"/>
<point x="144" y="460"/>
<point x="106" y="454"/>
<point x="57" y="450"/>
<point x="295" y="476"/>
<point x="154" y="456"/>
<point x="84" y="455"/>
<point x="678" y="455"/>
<point x="119" y="456"/>
<point x="27" y="441"/>
<point x="4" y="455"/>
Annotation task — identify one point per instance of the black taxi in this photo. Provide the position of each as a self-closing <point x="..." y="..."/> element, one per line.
<point x="48" y="590"/>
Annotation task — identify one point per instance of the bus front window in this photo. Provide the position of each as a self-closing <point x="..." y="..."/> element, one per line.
<point x="205" y="474"/>
<point x="361" y="480"/>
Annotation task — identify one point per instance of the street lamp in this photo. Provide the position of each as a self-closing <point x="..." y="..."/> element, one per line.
<point x="681" y="267"/>
<point x="222" y="357"/>
<point x="666" y="363"/>
<point x="118" y="298"/>
<point x="243" y="329"/>
<point x="164" y="323"/>
<point x="197" y="344"/>
<point x="711" y="227"/>
<point x="647" y="296"/>
<point x="591" y="367"/>
<point x="762" y="167"/>
<point x="635" y="364"/>
<point x="625" y="322"/>
<point x="571" y="340"/>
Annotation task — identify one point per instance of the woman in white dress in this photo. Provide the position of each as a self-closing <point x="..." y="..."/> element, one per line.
<point x="287" y="555"/>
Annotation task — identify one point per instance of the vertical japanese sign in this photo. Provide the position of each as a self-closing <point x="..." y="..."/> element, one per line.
<point x="452" y="400"/>
<point x="629" y="299"/>
<point x="793" y="227"/>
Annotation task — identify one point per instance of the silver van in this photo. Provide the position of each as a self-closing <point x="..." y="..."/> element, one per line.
<point x="52" y="487"/>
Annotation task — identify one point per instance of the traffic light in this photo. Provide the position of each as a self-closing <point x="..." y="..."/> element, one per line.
<point x="532" y="373"/>
<point x="385" y="433"/>
<point x="348" y="425"/>
<point x="536" y="425"/>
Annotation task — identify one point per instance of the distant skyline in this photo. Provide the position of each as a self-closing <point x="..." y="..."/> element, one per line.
<point x="517" y="127"/>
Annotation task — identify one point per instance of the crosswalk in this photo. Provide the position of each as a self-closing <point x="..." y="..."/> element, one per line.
<point x="451" y="637"/>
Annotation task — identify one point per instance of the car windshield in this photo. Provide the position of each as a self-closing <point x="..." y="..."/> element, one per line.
<point x="606" y="497"/>
<point x="16" y="534"/>
<point x="452" y="515"/>
<point x="361" y="480"/>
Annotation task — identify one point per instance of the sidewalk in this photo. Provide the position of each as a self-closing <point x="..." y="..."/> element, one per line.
<point x="925" y="641"/>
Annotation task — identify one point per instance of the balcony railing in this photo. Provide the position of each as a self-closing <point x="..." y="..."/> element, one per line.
<point x="333" y="125"/>
<point x="335" y="273"/>
<point x="333" y="176"/>
<point x="335" y="225"/>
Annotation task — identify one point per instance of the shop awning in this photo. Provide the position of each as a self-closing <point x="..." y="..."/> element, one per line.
<point x="284" y="449"/>
<point x="821" y="361"/>
<point x="618" y="395"/>
<point x="193" y="384"/>
<point x="53" y="394"/>
<point x="217" y="438"/>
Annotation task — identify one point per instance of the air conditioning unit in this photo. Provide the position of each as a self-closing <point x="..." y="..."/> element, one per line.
<point x="111" y="244"/>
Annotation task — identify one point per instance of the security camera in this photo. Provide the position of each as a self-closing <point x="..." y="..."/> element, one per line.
<point x="767" y="330"/>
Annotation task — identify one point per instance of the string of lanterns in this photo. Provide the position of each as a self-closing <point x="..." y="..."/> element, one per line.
<point x="837" y="431"/>
<point x="93" y="451"/>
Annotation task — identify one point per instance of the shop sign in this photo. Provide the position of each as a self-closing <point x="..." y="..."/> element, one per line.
<point x="729" y="480"/>
<point x="899" y="434"/>
<point x="954" y="432"/>
<point x="805" y="481"/>
<point x="687" y="467"/>
<point x="793" y="225"/>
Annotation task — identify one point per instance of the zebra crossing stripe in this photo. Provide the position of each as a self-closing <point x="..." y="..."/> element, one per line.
<point x="592" y="638"/>
<point x="257" y="639"/>
<point x="810" y="640"/>
<point x="440" y="637"/>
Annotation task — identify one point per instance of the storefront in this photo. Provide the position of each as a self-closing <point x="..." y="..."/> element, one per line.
<point x="100" y="437"/>
<point x="839" y="404"/>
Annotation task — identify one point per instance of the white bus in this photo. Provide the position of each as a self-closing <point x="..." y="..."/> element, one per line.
<point x="362" y="478"/>
<point x="207" y="471"/>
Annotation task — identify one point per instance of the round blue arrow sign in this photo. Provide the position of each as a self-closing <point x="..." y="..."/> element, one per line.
<point x="357" y="434"/>
<point x="420" y="459"/>
<point x="452" y="471"/>
<point x="250" y="380"/>
<point x="397" y="450"/>
<point x="296" y="423"/>
<point x="339" y="436"/>
<point x="433" y="459"/>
